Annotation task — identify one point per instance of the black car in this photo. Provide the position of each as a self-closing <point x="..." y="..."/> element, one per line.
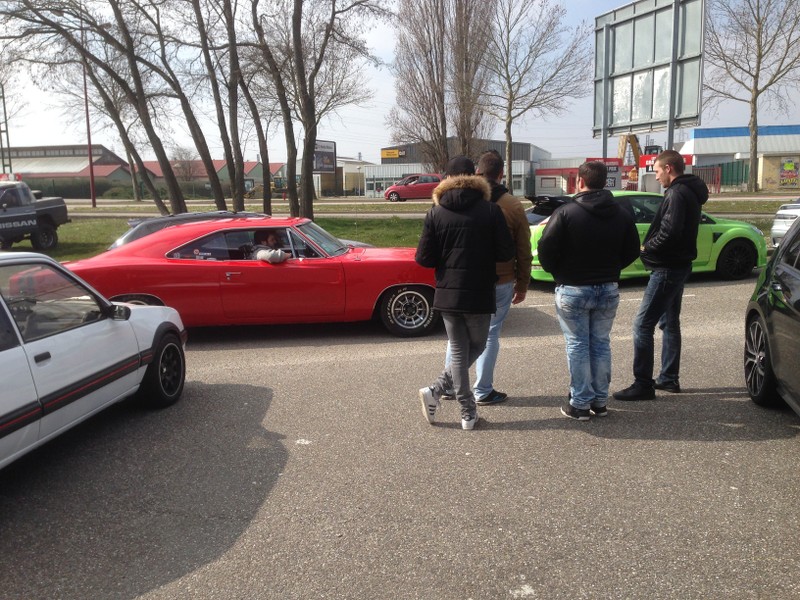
<point x="772" y="335"/>
<point x="142" y="227"/>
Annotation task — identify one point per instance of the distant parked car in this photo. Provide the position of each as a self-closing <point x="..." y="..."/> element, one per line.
<point x="784" y="218"/>
<point x="728" y="247"/>
<point x="207" y="272"/>
<point x="66" y="352"/>
<point x="145" y="226"/>
<point x="420" y="185"/>
<point x="772" y="332"/>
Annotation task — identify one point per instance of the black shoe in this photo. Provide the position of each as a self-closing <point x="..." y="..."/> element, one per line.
<point x="579" y="414"/>
<point x="668" y="386"/>
<point x="636" y="392"/>
<point x="494" y="397"/>
<point x="599" y="411"/>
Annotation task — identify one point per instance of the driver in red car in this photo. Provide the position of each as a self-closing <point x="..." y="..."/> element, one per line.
<point x="267" y="247"/>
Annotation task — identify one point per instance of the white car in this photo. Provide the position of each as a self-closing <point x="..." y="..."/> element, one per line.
<point x="66" y="352"/>
<point x="786" y="214"/>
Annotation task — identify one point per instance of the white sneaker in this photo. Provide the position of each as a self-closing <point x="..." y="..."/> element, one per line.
<point x="469" y="424"/>
<point x="429" y="403"/>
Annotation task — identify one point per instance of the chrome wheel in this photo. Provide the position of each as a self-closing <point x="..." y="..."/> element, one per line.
<point x="408" y="311"/>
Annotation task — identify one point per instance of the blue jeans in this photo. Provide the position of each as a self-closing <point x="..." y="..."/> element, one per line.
<point x="586" y="314"/>
<point x="466" y="334"/>
<point x="484" y="366"/>
<point x="661" y="305"/>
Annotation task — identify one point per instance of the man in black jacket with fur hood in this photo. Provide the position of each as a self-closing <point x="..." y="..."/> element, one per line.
<point x="464" y="236"/>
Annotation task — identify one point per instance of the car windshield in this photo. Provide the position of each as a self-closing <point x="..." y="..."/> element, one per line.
<point x="323" y="239"/>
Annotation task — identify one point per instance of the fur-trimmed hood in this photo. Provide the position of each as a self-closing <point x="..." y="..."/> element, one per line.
<point x="461" y="182"/>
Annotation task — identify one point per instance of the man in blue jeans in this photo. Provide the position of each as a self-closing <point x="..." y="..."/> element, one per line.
<point x="669" y="248"/>
<point x="585" y="246"/>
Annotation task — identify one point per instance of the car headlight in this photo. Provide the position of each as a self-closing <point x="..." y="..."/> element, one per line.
<point x="757" y="230"/>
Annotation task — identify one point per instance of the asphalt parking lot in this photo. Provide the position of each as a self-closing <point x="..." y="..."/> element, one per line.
<point x="298" y="465"/>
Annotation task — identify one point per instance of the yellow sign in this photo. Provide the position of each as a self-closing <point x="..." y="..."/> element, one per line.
<point x="390" y="153"/>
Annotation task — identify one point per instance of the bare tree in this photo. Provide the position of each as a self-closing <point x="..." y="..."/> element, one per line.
<point x="537" y="63"/>
<point x="183" y="159"/>
<point x="420" y="70"/>
<point x="469" y="33"/>
<point x="752" y="55"/>
<point x="441" y="76"/>
<point x="305" y="62"/>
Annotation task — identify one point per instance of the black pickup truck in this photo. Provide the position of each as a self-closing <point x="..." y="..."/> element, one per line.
<point x="25" y="214"/>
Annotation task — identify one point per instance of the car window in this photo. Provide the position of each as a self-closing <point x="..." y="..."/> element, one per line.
<point x="644" y="207"/>
<point x="323" y="239"/>
<point x="790" y="255"/>
<point x="10" y="198"/>
<point x="213" y="247"/>
<point x="44" y="301"/>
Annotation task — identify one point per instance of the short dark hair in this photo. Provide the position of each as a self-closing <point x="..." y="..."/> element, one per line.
<point x="673" y="159"/>
<point x="594" y="174"/>
<point x="490" y="165"/>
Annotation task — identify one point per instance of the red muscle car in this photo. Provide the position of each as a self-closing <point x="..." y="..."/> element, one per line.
<point x="206" y="271"/>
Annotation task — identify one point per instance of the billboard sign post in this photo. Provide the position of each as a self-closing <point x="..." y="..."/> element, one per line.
<point x="648" y="68"/>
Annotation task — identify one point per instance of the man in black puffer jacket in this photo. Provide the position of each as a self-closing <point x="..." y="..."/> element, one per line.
<point x="463" y="237"/>
<point x="585" y="246"/>
<point x="669" y="248"/>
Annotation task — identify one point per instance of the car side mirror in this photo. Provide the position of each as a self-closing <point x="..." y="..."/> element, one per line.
<point x="119" y="312"/>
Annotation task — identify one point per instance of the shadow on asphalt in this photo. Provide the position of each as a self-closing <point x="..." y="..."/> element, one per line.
<point x="119" y="505"/>
<point x="712" y="415"/>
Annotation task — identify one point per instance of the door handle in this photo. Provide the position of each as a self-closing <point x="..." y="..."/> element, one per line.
<point x="229" y="274"/>
<point x="41" y="357"/>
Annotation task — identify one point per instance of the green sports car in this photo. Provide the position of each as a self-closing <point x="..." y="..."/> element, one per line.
<point x="728" y="247"/>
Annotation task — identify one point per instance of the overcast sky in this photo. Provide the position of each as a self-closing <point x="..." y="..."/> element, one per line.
<point x="363" y="130"/>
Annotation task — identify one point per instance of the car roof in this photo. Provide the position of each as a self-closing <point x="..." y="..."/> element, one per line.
<point x="180" y="233"/>
<point x="148" y="225"/>
<point x="8" y="256"/>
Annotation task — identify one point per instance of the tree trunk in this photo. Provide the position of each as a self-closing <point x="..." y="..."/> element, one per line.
<point x="509" y="154"/>
<point x="219" y="194"/>
<point x="266" y="175"/>
<point x="286" y="112"/>
<point x="752" y="176"/>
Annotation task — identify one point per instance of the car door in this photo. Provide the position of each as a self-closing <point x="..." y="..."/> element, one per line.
<point x="17" y="214"/>
<point x="705" y="240"/>
<point x="644" y="210"/>
<point x="307" y="285"/>
<point x="785" y="304"/>
<point x="20" y="411"/>
<point x="426" y="185"/>
<point x="79" y="359"/>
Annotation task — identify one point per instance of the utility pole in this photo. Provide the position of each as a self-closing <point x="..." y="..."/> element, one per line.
<point x="5" y="146"/>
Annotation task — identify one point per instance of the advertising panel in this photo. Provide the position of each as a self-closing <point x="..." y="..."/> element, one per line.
<point x="788" y="174"/>
<point x="325" y="157"/>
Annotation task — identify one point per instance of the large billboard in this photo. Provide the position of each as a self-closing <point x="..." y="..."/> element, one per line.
<point x="325" y="157"/>
<point x="648" y="67"/>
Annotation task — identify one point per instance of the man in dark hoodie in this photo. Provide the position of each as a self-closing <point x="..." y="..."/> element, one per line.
<point x="585" y="246"/>
<point x="669" y="248"/>
<point x="463" y="237"/>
